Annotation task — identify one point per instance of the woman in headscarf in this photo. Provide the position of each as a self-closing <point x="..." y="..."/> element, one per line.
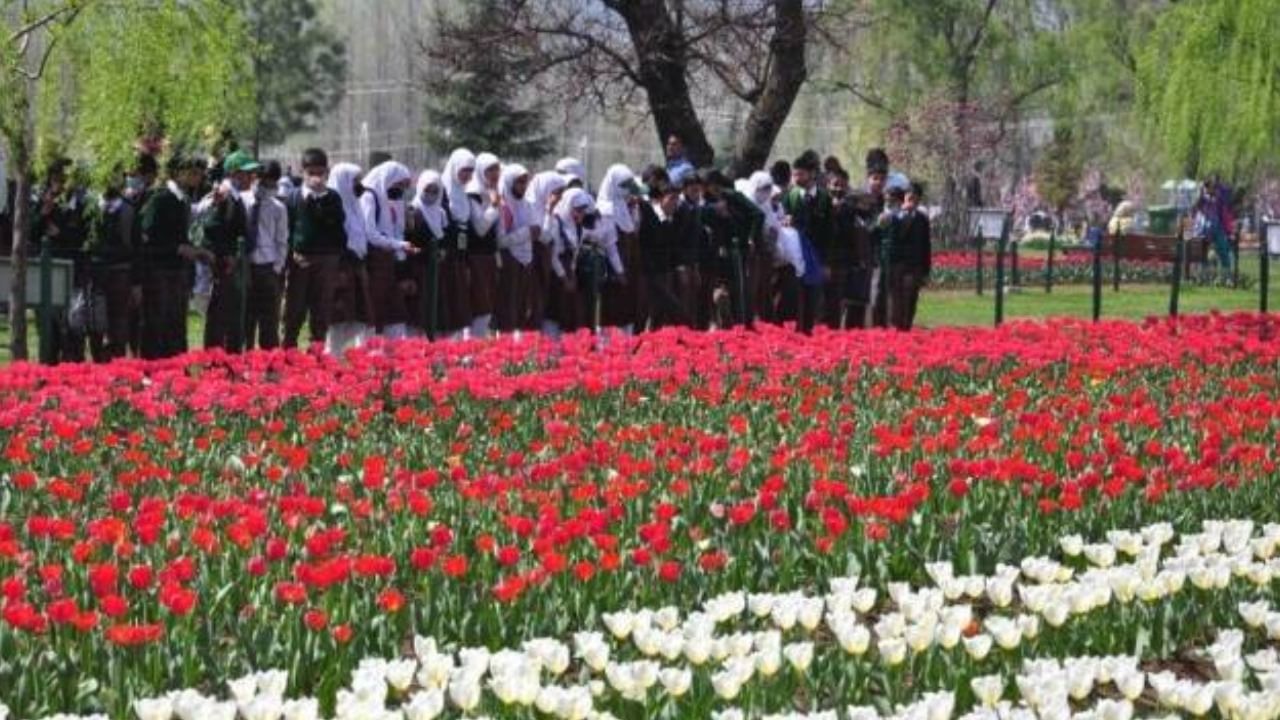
<point x="382" y="207"/>
<point x="426" y="225"/>
<point x="545" y="190"/>
<point x="619" y="224"/>
<point x="455" y="273"/>
<point x="482" y="247"/>
<point x="568" y="229"/>
<point x="517" y="234"/>
<point x="782" y="244"/>
<point x="351" y="306"/>
<point x="574" y="172"/>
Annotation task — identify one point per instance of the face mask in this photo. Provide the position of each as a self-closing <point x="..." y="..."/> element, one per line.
<point x="316" y="183"/>
<point x="358" y="188"/>
<point x="134" y="183"/>
<point x="395" y="193"/>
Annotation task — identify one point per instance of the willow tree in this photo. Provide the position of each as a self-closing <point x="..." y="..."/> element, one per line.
<point x="1209" y="86"/>
<point x="69" y="77"/>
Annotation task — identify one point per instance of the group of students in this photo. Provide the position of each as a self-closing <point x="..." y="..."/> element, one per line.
<point x="482" y="247"/>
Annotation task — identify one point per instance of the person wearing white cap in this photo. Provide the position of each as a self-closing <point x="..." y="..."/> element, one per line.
<point x="482" y="246"/>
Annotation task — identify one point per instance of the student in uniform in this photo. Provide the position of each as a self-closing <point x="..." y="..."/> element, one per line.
<point x="111" y="263"/>
<point x="382" y="207"/>
<point x="352" y="306"/>
<point x="910" y="259"/>
<point x="268" y="238"/>
<point x="164" y="257"/>
<point x="734" y="223"/>
<point x="545" y="189"/>
<point x="877" y="178"/>
<point x="780" y="248"/>
<point x="60" y="221"/>
<point x="573" y="222"/>
<point x="425" y="229"/>
<point x="661" y="227"/>
<point x="692" y="253"/>
<point x="139" y="184"/>
<point x="455" y="273"/>
<point x="318" y="239"/>
<point x="225" y="224"/>
<point x="482" y="245"/>
<point x="517" y="235"/>
<point x="809" y="208"/>
<point x="617" y="241"/>
<point x="574" y="172"/>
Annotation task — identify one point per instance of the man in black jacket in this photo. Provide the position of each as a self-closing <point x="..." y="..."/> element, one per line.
<point x="226" y="222"/>
<point x="910" y="259"/>
<point x="163" y="257"/>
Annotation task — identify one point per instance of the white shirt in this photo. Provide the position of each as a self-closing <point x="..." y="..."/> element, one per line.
<point x="272" y="246"/>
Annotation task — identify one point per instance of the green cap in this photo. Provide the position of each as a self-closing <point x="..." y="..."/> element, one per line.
<point x="240" y="161"/>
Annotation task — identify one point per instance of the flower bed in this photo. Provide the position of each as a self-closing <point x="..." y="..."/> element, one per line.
<point x="958" y="269"/>
<point x="823" y="523"/>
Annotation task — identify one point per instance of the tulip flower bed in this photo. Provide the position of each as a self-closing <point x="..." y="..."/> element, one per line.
<point x="956" y="269"/>
<point x="676" y="525"/>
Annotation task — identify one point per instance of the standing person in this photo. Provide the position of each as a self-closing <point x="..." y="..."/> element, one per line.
<point x="352" y="306"/>
<point x="810" y="209"/>
<point x="427" y="222"/>
<point x="518" y="233"/>
<point x="856" y="220"/>
<point x="842" y="250"/>
<point x="268" y="236"/>
<point x="111" y="256"/>
<point x="1214" y="208"/>
<point x="678" y="165"/>
<point x="734" y="224"/>
<point x="139" y="183"/>
<point x="574" y="172"/>
<point x="574" y="218"/>
<point x="617" y="241"/>
<point x="877" y="179"/>
<point x="165" y="252"/>
<point x="482" y="246"/>
<point x="225" y="222"/>
<point x="546" y="189"/>
<point x="383" y="209"/>
<point x="59" y="222"/>
<point x="455" y="273"/>
<point x="693" y="255"/>
<point x="661" y="228"/>
<point x="318" y="239"/>
<point x="781" y="261"/>
<point x="910" y="258"/>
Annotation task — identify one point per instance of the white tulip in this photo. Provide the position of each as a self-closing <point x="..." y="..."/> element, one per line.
<point x="892" y="650"/>
<point x="464" y="691"/>
<point x="864" y="600"/>
<point x="978" y="646"/>
<point x="768" y="661"/>
<point x="1115" y="710"/>
<point x="263" y="707"/>
<point x="1100" y="554"/>
<point x="1130" y="683"/>
<point x="424" y="705"/>
<point x="667" y="618"/>
<point x="988" y="689"/>
<point x="676" y="681"/>
<point x="799" y="655"/>
<point x="862" y="712"/>
<point x="304" y="709"/>
<point x="619" y="624"/>
<point x="243" y="689"/>
<point x="854" y="639"/>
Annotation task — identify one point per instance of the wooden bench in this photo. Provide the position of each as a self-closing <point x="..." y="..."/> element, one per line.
<point x="1134" y="246"/>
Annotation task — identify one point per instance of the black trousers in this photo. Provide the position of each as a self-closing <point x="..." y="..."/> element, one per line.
<point x="163" y="315"/>
<point x="263" y="315"/>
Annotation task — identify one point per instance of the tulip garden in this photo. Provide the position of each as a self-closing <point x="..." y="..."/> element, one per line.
<point x="1048" y="520"/>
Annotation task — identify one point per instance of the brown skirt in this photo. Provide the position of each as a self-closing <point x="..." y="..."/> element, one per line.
<point x="515" y="284"/>
<point x="624" y="302"/>
<point x="484" y="283"/>
<point x="384" y="289"/>
<point x="455" y="291"/>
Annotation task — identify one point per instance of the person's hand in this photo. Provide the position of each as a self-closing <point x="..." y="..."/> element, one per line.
<point x="301" y="261"/>
<point x="494" y="198"/>
<point x="410" y="248"/>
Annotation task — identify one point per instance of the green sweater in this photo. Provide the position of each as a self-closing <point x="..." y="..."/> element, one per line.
<point x="166" y="219"/>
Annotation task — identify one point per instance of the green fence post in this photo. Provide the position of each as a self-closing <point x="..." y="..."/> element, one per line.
<point x="1048" y="267"/>
<point x="245" y="344"/>
<point x="46" y="303"/>
<point x="1180" y="259"/>
<point x="1013" y="250"/>
<point x="1001" y="248"/>
<point x="1097" y="279"/>
<point x="431" y="293"/>
<point x="1235" y="257"/>
<point x="1115" y="261"/>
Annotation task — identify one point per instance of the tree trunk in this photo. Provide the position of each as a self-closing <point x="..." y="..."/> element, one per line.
<point x="661" y="68"/>
<point x="955" y="203"/>
<point x="787" y="74"/>
<point x="20" y="148"/>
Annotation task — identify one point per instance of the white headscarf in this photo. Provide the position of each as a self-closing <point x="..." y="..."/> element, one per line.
<point x="759" y="188"/>
<point x="612" y="198"/>
<point x="543" y="186"/>
<point x="573" y="167"/>
<point x="342" y="180"/>
<point x="484" y="161"/>
<point x="379" y="181"/>
<point x="520" y="209"/>
<point x="459" y="204"/>
<point x="431" y="213"/>
<point x="573" y="198"/>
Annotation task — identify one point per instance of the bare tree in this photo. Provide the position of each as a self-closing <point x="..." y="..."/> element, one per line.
<point x="674" y="51"/>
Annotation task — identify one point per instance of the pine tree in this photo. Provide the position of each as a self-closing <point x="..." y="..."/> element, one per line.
<point x="477" y="107"/>
<point x="1060" y="169"/>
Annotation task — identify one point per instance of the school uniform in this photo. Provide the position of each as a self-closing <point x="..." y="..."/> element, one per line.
<point x="542" y="187"/>
<point x="384" y="221"/>
<point x="812" y="216"/>
<point x="855" y="220"/>
<point x="352" y="306"/>
<point x="425" y="230"/>
<point x="515" y="241"/>
<point x="111" y="258"/>
<point x="617" y="242"/>
<point x="318" y="239"/>
<point x="568" y="304"/>
<point x="910" y="260"/>
<point x="225" y="226"/>
<point x="268" y="240"/>
<point x="62" y="226"/>
<point x="163" y="272"/>
<point x="660" y="236"/>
